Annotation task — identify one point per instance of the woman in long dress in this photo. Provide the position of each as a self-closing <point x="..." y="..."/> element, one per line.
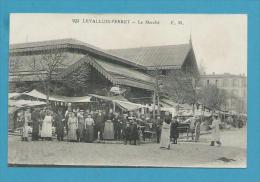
<point x="89" y="125"/>
<point x="25" y="130"/>
<point x="81" y="126"/>
<point x="72" y="127"/>
<point x="46" y="132"/>
<point x="165" y="135"/>
<point x="108" y="130"/>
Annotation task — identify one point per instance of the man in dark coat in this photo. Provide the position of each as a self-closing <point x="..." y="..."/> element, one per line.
<point x="174" y="130"/>
<point x="158" y="127"/>
<point x="117" y="127"/>
<point x="35" y="124"/>
<point x="134" y="135"/>
<point x="126" y="129"/>
<point x="59" y="123"/>
<point x="99" y="125"/>
<point x="197" y="130"/>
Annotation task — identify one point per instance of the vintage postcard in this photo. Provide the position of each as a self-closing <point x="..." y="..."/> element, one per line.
<point x="128" y="90"/>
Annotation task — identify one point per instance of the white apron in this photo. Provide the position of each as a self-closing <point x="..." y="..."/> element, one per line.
<point x="108" y="130"/>
<point x="47" y="127"/>
<point x="165" y="135"/>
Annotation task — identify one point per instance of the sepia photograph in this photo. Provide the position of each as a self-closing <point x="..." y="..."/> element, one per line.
<point x="127" y="90"/>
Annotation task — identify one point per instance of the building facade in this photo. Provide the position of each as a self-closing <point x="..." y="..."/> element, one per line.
<point x="234" y="85"/>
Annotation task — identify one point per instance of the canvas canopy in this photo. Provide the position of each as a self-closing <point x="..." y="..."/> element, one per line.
<point x="129" y="106"/>
<point x="203" y="113"/>
<point x="109" y="98"/>
<point x="24" y="103"/>
<point x="121" y="102"/>
<point x="58" y="98"/>
<point x="13" y="95"/>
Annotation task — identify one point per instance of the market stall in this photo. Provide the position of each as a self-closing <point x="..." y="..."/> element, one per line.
<point x="14" y="106"/>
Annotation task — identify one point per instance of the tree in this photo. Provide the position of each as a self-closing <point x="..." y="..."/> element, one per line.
<point x="237" y="103"/>
<point x="78" y="79"/>
<point x="180" y="86"/>
<point x="14" y="72"/>
<point x="212" y="97"/>
<point x="47" y="67"/>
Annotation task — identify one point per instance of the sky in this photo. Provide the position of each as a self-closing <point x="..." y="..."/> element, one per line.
<point x="219" y="40"/>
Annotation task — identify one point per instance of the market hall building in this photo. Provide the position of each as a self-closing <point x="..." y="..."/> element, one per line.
<point x="85" y="69"/>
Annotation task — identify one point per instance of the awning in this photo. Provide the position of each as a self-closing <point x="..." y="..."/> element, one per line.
<point x="185" y="106"/>
<point x="109" y="98"/>
<point x="167" y="103"/>
<point x="13" y="95"/>
<point x="117" y="90"/>
<point x="129" y="106"/>
<point x="24" y="103"/>
<point x="12" y="109"/>
<point x="202" y="113"/>
<point x="58" y="98"/>
<point x="171" y="110"/>
<point x="185" y="113"/>
<point x="121" y="102"/>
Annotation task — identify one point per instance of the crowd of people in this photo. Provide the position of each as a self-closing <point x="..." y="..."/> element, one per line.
<point x="78" y="125"/>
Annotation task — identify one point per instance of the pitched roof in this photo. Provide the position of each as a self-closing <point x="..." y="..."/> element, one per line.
<point x="28" y="45"/>
<point x="116" y="73"/>
<point x="163" y="56"/>
<point x="27" y="63"/>
<point x="22" y="48"/>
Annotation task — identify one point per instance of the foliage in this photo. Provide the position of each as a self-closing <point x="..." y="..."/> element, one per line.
<point x="78" y="79"/>
<point x="212" y="97"/>
<point x="47" y="67"/>
<point x="179" y="86"/>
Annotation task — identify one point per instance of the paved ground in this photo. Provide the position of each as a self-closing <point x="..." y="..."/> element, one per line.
<point x="184" y="154"/>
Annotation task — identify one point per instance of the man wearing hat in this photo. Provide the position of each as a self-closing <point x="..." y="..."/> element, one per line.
<point x="27" y="120"/>
<point x="117" y="126"/>
<point x="197" y="129"/>
<point x="126" y="129"/>
<point x="35" y="124"/>
<point x="59" y="124"/>
<point x="81" y="125"/>
<point x="215" y="131"/>
<point x="174" y="129"/>
<point x="99" y="125"/>
<point x="134" y="136"/>
<point x="158" y="126"/>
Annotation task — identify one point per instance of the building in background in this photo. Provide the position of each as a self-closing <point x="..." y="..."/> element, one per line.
<point x="234" y="85"/>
